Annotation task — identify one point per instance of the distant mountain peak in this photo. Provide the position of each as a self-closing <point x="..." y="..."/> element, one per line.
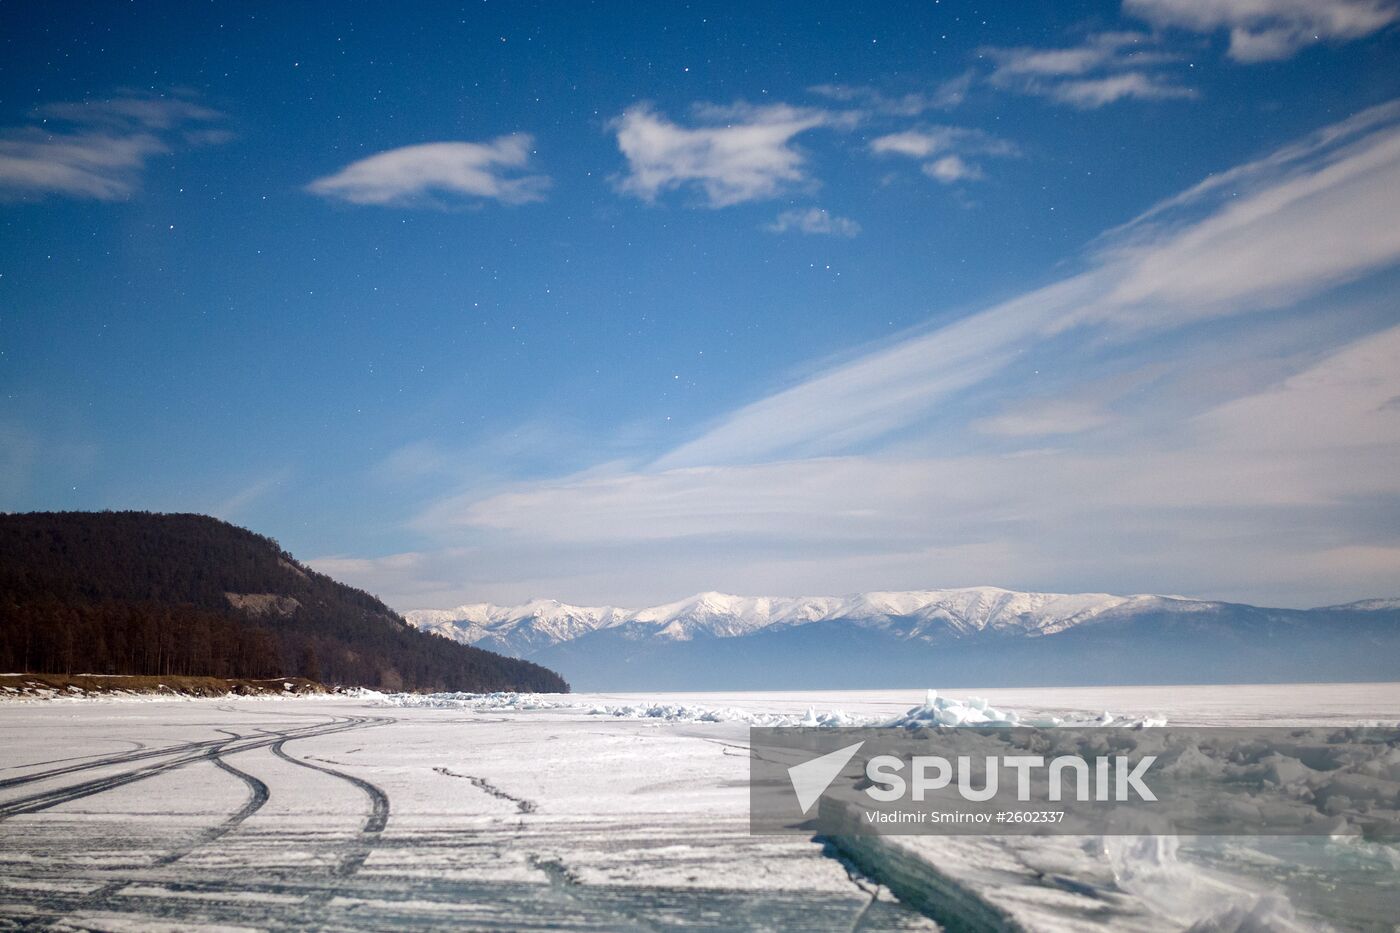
<point x="540" y="623"/>
<point x="983" y="635"/>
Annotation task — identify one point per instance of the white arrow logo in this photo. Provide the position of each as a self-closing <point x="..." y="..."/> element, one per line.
<point x="811" y="778"/>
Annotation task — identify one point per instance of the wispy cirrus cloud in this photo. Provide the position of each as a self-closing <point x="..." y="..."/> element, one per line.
<point x="1045" y="441"/>
<point x="1105" y="67"/>
<point x="155" y="113"/>
<point x="97" y="149"/>
<point x="412" y="462"/>
<point x="435" y="174"/>
<point x="943" y="96"/>
<point x="1245" y="500"/>
<point x="1300" y="432"/>
<point x="813" y="220"/>
<point x="1292" y="229"/>
<point x="732" y="154"/>
<point x="236" y="504"/>
<point x="1268" y="30"/>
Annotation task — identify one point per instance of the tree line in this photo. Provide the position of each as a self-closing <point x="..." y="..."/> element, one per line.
<point x="147" y="593"/>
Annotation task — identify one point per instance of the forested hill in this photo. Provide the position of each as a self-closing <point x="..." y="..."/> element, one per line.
<point x="144" y="593"/>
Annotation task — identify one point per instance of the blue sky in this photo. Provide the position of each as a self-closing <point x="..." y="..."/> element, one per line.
<point x="613" y="303"/>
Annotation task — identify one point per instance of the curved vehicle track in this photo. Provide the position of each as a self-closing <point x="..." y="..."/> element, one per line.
<point x="374" y="823"/>
<point x="214" y="750"/>
<point x="135" y="747"/>
<point x="258" y="795"/>
<point x="93" y="762"/>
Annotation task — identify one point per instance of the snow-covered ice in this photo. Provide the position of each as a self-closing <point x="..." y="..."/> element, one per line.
<point x="595" y="811"/>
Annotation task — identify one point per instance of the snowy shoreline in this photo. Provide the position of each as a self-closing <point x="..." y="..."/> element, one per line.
<point x="1340" y="704"/>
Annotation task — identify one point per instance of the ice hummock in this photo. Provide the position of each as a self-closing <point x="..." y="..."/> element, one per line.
<point x="935" y="710"/>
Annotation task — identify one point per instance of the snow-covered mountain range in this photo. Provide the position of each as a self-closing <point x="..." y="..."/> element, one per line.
<point x="919" y="614"/>
<point x="978" y="636"/>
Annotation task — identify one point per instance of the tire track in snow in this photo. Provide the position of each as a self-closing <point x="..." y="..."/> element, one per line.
<point x="208" y="750"/>
<point x="135" y="747"/>
<point x="46" y="799"/>
<point x="108" y="761"/>
<point x="143" y="754"/>
<point x="374" y="823"/>
<point x="258" y="795"/>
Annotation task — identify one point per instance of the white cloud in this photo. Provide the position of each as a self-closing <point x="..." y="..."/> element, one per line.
<point x="916" y="145"/>
<point x="747" y="157"/>
<point x="98" y="148"/>
<point x="420" y="175"/>
<point x="944" y="96"/>
<point x="1087" y="407"/>
<point x="814" y="220"/>
<point x="950" y="169"/>
<point x="925" y="141"/>
<point x="1104" y="68"/>
<point x="1266" y="30"/>
<point x="1090" y="93"/>
<point x="1044" y="418"/>
<point x="1344" y="404"/>
<point x="951" y="143"/>
<point x="1099" y="51"/>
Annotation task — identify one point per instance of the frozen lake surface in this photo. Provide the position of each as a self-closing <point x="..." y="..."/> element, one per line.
<point x="588" y="812"/>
